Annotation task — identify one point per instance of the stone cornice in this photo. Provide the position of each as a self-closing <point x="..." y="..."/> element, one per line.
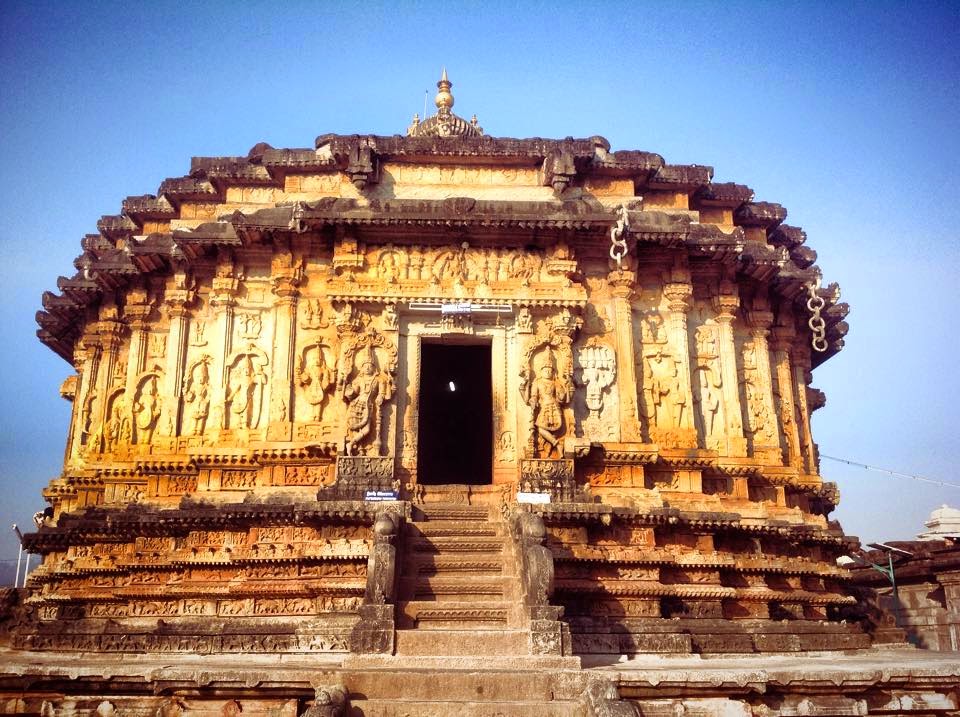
<point x="141" y="241"/>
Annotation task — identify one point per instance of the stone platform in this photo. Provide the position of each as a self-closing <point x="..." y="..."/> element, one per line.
<point x="867" y="682"/>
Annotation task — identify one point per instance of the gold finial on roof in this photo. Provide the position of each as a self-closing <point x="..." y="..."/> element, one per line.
<point x="444" y="99"/>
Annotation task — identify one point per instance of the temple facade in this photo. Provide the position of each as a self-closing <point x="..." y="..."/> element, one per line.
<point x="408" y="400"/>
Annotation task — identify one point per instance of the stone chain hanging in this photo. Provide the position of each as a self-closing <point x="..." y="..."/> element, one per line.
<point x="816" y="323"/>
<point x="618" y="245"/>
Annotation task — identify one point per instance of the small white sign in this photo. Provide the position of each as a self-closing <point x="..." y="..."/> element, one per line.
<point x="533" y="497"/>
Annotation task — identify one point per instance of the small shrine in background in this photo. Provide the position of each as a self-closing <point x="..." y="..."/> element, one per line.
<point x="443" y="423"/>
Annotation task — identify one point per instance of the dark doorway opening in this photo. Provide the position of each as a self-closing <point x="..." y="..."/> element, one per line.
<point x="455" y="441"/>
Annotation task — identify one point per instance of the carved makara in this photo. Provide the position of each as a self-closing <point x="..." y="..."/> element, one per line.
<point x="246" y="382"/>
<point x="315" y="377"/>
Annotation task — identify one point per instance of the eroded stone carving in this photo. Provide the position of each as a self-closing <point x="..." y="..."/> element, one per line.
<point x="315" y="377"/>
<point x="365" y="382"/>
<point x="245" y="386"/>
<point x="196" y="395"/>
<point x="147" y="408"/>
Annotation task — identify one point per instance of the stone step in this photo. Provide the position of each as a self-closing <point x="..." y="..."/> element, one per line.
<point x="437" y="563"/>
<point x="532" y="679"/>
<point x="450" y="512"/>
<point x="449" y="588"/>
<point x="443" y="528"/>
<point x="475" y="642"/>
<point x="430" y="614"/>
<point x="454" y="544"/>
<point x="423" y="708"/>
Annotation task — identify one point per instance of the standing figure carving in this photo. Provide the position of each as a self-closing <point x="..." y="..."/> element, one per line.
<point x="245" y="390"/>
<point x="708" y="397"/>
<point x="147" y="408"/>
<point x="117" y="430"/>
<point x="315" y="377"/>
<point x="196" y="393"/>
<point x="364" y="396"/>
<point x="665" y="399"/>
<point x="546" y="394"/>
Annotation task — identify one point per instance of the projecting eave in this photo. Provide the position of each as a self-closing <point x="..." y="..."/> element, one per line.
<point x="141" y="241"/>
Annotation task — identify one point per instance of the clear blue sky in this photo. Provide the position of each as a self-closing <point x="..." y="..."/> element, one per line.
<point x="846" y="113"/>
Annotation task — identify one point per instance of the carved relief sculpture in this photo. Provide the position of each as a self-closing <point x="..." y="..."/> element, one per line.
<point x="364" y="386"/>
<point x="546" y="382"/>
<point x="196" y="396"/>
<point x="315" y="377"/>
<point x="246" y="383"/>
<point x="147" y="408"/>
<point x="664" y="398"/>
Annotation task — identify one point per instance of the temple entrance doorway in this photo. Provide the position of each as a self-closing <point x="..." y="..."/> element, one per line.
<point x="455" y="431"/>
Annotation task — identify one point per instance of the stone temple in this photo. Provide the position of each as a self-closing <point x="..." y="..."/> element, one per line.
<point x="446" y="424"/>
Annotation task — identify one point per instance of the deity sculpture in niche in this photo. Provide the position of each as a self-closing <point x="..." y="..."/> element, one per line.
<point x="665" y="398"/>
<point x="196" y="395"/>
<point x="117" y="430"/>
<point x="244" y="398"/>
<point x="546" y="382"/>
<point x="147" y="407"/>
<point x="364" y="382"/>
<point x="708" y="398"/>
<point x="315" y="377"/>
<point x="546" y="395"/>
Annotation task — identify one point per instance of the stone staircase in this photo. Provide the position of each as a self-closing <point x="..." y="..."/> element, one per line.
<point x="458" y="592"/>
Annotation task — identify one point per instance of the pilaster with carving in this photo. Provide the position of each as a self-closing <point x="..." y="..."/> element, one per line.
<point x="286" y="276"/>
<point x="621" y="287"/>
<point x="177" y="299"/>
<point x="758" y="385"/>
<point x="801" y="372"/>
<point x="109" y="334"/>
<point x="86" y="361"/>
<point x="667" y="372"/>
<point x="225" y="286"/>
<point x="781" y="340"/>
<point x="726" y="303"/>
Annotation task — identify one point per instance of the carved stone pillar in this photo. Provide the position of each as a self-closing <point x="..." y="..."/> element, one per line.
<point x="223" y="299"/>
<point x="109" y="334"/>
<point x="86" y="360"/>
<point x="727" y="302"/>
<point x="678" y="291"/>
<point x="136" y="312"/>
<point x="759" y="386"/>
<point x="411" y="406"/>
<point x="286" y="279"/>
<point x="801" y="371"/>
<point x="176" y="300"/>
<point x="621" y="286"/>
<point x="783" y="335"/>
